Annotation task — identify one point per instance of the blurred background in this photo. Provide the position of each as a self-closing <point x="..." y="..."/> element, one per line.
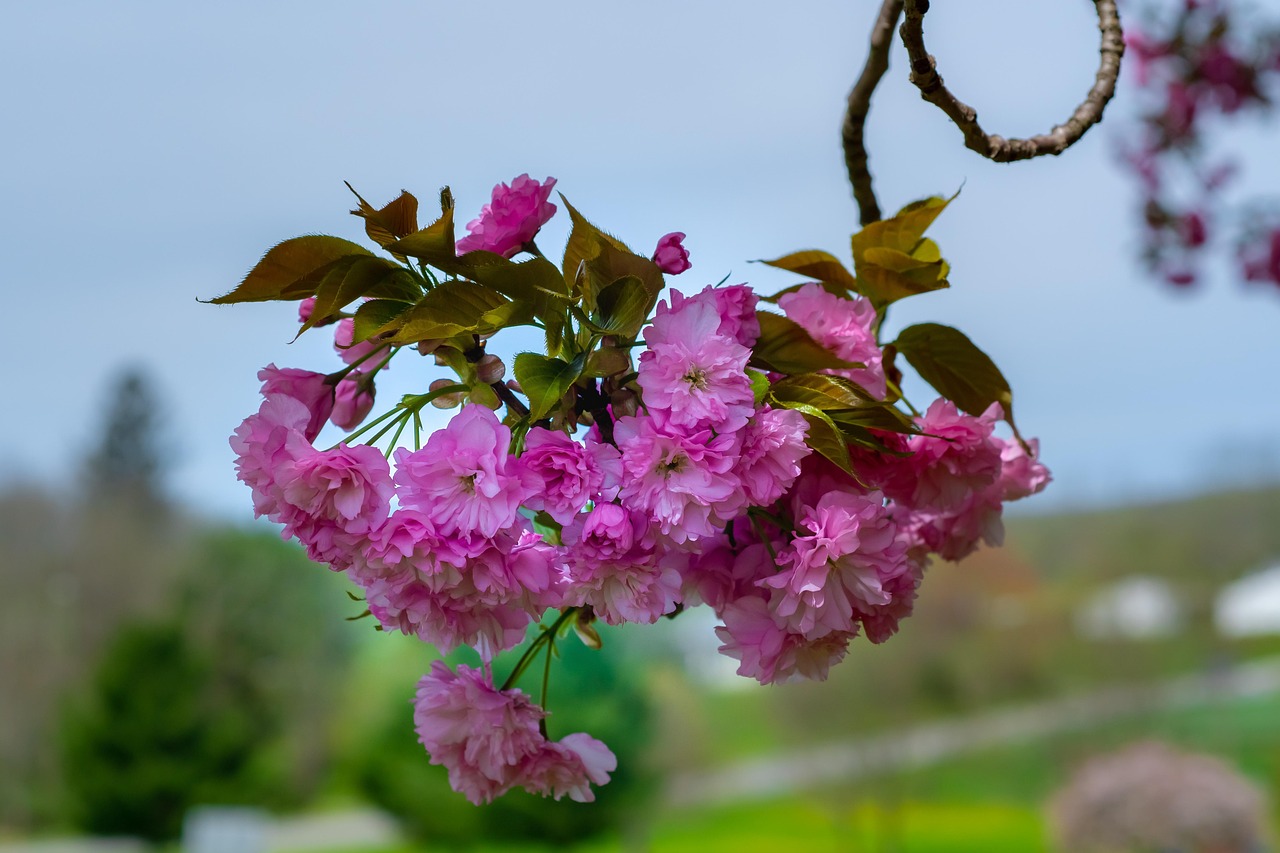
<point x="168" y="663"/>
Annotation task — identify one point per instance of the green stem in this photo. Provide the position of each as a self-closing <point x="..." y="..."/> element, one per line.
<point x="395" y="439"/>
<point x="768" y="546"/>
<point x="546" y="680"/>
<point x="538" y="642"/>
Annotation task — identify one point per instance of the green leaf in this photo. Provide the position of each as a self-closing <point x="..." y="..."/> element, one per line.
<point x="893" y="259"/>
<point x="881" y="416"/>
<point x="535" y="281"/>
<point x="385" y="225"/>
<point x="356" y="276"/>
<point x="822" y="391"/>
<point x="759" y="385"/>
<point x="950" y="362"/>
<point x="611" y="264"/>
<point x="622" y="307"/>
<point x="545" y="380"/>
<point x="824" y="436"/>
<point x="820" y="266"/>
<point x="374" y="315"/>
<point x="785" y="347"/>
<point x="451" y="308"/>
<point x="585" y="241"/>
<point x="291" y="270"/>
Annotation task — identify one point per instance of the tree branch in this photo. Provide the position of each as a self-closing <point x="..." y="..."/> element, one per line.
<point x="924" y="74"/>
<point x="855" y="117"/>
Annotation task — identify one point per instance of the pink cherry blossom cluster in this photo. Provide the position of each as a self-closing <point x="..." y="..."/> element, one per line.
<point x="678" y="480"/>
<point x="1200" y="66"/>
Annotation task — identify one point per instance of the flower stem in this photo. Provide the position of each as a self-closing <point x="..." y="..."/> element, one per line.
<point x="538" y="642"/>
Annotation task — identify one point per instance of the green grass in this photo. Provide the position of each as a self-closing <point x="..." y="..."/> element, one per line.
<point x="821" y="824"/>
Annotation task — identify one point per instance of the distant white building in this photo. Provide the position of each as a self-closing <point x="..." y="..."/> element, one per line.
<point x="1250" y="606"/>
<point x="1137" y="607"/>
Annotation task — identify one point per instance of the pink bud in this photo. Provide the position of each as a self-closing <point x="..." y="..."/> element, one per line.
<point x="671" y="256"/>
<point x="352" y="401"/>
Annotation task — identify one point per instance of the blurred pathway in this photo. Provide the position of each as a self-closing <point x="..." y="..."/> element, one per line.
<point x="920" y="746"/>
<point x="345" y="830"/>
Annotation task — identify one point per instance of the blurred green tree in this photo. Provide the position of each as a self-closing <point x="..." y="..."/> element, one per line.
<point x="152" y="739"/>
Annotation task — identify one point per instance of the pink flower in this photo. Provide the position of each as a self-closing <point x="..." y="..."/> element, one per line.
<point x="465" y="479"/>
<point x="722" y="570"/>
<point x="568" y="473"/>
<point x="772" y="447"/>
<point x="568" y="767"/>
<point x="511" y="219"/>
<point x="1021" y="473"/>
<point x="844" y="326"/>
<point x="682" y="479"/>
<point x="840" y="566"/>
<point x="307" y="387"/>
<point x="261" y="444"/>
<point x="735" y="305"/>
<point x="348" y="487"/>
<point x="611" y="568"/>
<point x="457" y="590"/>
<point x="481" y="735"/>
<point x="343" y="334"/>
<point x="956" y="456"/>
<point x="352" y="400"/>
<point x="693" y="374"/>
<point x="671" y="256"/>
<point x="771" y="653"/>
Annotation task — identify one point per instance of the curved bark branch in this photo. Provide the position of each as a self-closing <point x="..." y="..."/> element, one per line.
<point x="924" y="74"/>
<point x="855" y="117"/>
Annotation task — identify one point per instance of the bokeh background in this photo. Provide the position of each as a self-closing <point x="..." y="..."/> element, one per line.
<point x="157" y="645"/>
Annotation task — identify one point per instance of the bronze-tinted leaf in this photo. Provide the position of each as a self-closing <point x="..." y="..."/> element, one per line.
<point x="288" y="270"/>
<point x="820" y="266"/>
<point x="434" y="244"/>
<point x="399" y="218"/>
<point x="893" y="259"/>
<point x="787" y="348"/>
<point x="950" y="362"/>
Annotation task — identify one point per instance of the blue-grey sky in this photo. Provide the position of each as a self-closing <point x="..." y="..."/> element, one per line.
<point x="154" y="150"/>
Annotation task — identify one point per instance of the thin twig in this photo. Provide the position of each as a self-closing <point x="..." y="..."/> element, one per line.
<point x="924" y="74"/>
<point x="855" y="116"/>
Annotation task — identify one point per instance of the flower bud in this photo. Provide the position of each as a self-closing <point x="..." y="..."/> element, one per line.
<point x="445" y="401"/>
<point x="490" y="369"/>
<point x="624" y="403"/>
<point x="671" y="256"/>
<point x="429" y="346"/>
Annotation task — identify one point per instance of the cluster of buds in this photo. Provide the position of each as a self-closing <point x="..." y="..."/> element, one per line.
<point x="762" y="463"/>
<point x="1199" y="67"/>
